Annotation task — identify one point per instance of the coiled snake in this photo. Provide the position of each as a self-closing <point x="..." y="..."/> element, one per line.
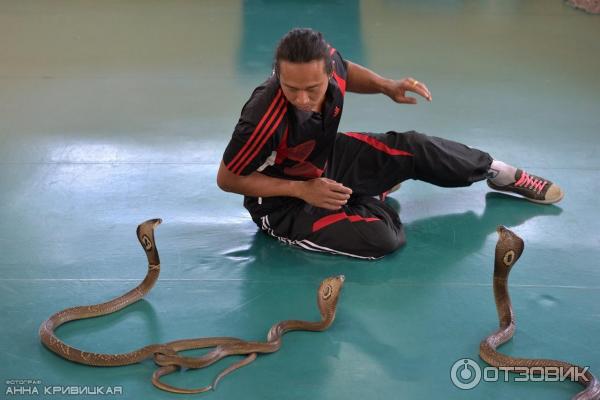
<point x="508" y="250"/>
<point x="166" y="355"/>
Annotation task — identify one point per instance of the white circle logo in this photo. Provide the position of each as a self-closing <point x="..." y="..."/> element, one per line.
<point x="465" y="374"/>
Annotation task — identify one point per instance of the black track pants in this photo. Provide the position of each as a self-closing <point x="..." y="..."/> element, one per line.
<point x="370" y="164"/>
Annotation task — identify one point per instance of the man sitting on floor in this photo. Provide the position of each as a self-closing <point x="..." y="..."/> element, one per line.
<point x="313" y="187"/>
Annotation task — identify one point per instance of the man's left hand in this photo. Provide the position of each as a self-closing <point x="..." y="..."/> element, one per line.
<point x="396" y="90"/>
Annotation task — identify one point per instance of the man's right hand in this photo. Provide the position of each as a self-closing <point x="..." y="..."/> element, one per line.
<point x="324" y="193"/>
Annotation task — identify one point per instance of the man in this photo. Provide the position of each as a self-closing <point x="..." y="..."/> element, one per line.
<point x="313" y="187"/>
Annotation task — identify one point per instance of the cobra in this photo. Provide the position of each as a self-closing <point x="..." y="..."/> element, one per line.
<point x="166" y="354"/>
<point x="327" y="299"/>
<point x="508" y="250"/>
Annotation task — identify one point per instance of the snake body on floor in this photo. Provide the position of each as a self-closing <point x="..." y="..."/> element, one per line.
<point x="508" y="250"/>
<point x="166" y="354"/>
<point x="145" y="233"/>
<point x="327" y="297"/>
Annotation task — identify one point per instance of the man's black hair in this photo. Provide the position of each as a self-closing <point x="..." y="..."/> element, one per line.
<point x="302" y="45"/>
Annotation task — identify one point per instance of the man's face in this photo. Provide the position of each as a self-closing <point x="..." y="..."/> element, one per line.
<point x="304" y="84"/>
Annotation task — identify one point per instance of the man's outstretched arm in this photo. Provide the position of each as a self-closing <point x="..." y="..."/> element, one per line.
<point x="363" y="80"/>
<point x="319" y="192"/>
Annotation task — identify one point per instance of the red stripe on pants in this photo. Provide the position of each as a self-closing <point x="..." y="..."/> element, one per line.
<point x="371" y="141"/>
<point x="333" y="218"/>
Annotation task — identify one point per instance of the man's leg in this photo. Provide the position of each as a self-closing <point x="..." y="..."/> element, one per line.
<point x="372" y="163"/>
<point x="364" y="228"/>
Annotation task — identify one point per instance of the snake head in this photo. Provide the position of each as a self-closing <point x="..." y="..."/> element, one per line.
<point x="145" y="234"/>
<point x="508" y="250"/>
<point x="328" y="294"/>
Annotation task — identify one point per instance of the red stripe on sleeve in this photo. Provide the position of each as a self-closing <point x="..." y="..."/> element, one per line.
<point x="371" y="141"/>
<point x="255" y="133"/>
<point x="281" y="111"/>
<point x="341" y="83"/>
<point x="257" y="139"/>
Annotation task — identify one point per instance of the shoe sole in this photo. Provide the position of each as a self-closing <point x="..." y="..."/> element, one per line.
<point x="562" y="194"/>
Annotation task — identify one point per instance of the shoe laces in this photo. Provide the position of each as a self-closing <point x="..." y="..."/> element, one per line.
<point x="531" y="182"/>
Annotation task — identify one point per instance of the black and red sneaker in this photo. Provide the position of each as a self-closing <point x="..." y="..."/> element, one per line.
<point x="533" y="188"/>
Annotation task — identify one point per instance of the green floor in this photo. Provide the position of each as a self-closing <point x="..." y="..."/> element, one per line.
<point x="115" y="112"/>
